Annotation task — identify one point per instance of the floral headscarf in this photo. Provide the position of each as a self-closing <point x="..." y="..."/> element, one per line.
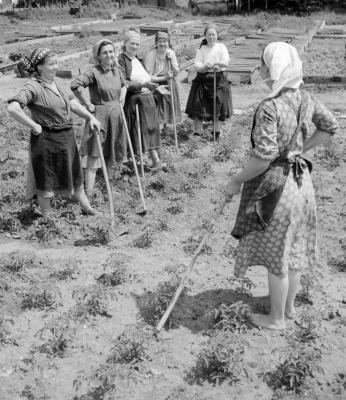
<point x="97" y="48"/>
<point x="31" y="60"/>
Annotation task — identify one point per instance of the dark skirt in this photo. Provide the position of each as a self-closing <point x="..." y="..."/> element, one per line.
<point x="112" y="134"/>
<point x="148" y="120"/>
<point x="55" y="160"/>
<point x="200" y="102"/>
<point x="164" y="104"/>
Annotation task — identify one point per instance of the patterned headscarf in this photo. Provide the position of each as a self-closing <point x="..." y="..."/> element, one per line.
<point x="161" y="35"/>
<point x="284" y="66"/>
<point x="97" y="48"/>
<point x="31" y="60"/>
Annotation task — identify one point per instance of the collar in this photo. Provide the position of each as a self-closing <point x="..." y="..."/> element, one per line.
<point x="105" y="69"/>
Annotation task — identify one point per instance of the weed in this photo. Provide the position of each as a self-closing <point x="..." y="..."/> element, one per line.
<point x="223" y="151"/>
<point x="45" y="229"/>
<point x="233" y="318"/>
<point x="10" y="224"/>
<point x="185" y="130"/>
<point x="117" y="277"/>
<point x="131" y="347"/>
<point x="4" y="331"/>
<point x="144" y="241"/>
<point x="28" y="214"/>
<point x="100" y="233"/>
<point x="243" y="285"/>
<point x="156" y="303"/>
<point x="68" y="271"/>
<point x="308" y="328"/>
<point x="220" y="360"/>
<point x="190" y="150"/>
<point x="55" y="347"/>
<point x="309" y="283"/>
<point x="192" y="244"/>
<point x="18" y="261"/>
<point x="162" y="225"/>
<point x="40" y="299"/>
<point x="176" y="208"/>
<point x="292" y="373"/>
<point x="90" y="301"/>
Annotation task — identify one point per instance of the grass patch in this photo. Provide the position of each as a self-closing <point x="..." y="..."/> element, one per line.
<point x="19" y="261"/>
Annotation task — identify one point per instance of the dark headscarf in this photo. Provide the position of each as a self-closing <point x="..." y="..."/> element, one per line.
<point x="31" y="60"/>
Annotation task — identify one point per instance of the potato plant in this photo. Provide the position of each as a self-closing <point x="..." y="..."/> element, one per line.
<point x="19" y="261"/>
<point x="232" y="318"/>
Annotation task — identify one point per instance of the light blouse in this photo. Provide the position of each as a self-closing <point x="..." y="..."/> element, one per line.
<point x="213" y="55"/>
<point x="157" y="64"/>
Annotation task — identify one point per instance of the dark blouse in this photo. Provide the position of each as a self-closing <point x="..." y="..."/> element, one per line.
<point x="104" y="85"/>
<point x="47" y="107"/>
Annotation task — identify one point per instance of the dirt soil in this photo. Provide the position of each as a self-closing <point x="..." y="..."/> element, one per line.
<point x="79" y="302"/>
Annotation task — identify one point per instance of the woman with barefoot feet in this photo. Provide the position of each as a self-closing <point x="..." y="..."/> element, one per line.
<point x="139" y="93"/>
<point x="211" y="58"/>
<point x="276" y="221"/>
<point x="54" y="164"/>
<point x="107" y="92"/>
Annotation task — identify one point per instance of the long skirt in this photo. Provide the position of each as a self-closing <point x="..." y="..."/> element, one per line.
<point x="54" y="164"/>
<point x="148" y="121"/>
<point x="164" y="104"/>
<point x="112" y="137"/>
<point x="289" y="240"/>
<point x="200" y="103"/>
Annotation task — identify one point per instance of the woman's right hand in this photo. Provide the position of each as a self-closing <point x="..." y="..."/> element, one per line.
<point x="208" y="66"/>
<point x="37" y="129"/>
<point x="90" y="107"/>
<point x="150" y="85"/>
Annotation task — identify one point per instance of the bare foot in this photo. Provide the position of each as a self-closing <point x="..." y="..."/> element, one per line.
<point x="290" y="313"/>
<point x="264" y="321"/>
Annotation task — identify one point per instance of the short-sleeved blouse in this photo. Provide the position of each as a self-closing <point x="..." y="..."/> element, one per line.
<point x="216" y="54"/>
<point x="157" y="65"/>
<point x="47" y="107"/>
<point x="276" y="121"/>
<point x="104" y="84"/>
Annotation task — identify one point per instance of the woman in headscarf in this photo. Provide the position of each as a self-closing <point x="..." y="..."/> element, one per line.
<point x="162" y="65"/>
<point x="211" y="56"/>
<point x="276" y="221"/>
<point x="54" y="163"/>
<point x="107" y="92"/>
<point x="139" y="92"/>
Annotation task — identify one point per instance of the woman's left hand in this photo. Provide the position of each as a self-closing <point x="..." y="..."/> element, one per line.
<point x="94" y="124"/>
<point x="233" y="187"/>
<point x="216" y="67"/>
<point x="169" y="53"/>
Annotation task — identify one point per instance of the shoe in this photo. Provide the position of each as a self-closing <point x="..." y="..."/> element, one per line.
<point x="196" y="133"/>
<point x="158" y="166"/>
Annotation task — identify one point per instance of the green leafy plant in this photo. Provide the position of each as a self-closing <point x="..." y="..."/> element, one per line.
<point x="292" y="373"/>
<point x="39" y="299"/>
<point x="144" y="241"/>
<point x="19" y="261"/>
<point x="192" y="243"/>
<point x="220" y="360"/>
<point x="10" y="224"/>
<point x="232" y="318"/>
<point x="175" y="208"/>
<point x="90" y="302"/>
<point x="69" y="268"/>
<point x="46" y="228"/>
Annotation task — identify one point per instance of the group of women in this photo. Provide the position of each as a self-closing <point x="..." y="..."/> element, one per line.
<point x="276" y="221"/>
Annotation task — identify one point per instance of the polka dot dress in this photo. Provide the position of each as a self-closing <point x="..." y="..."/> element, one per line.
<point x="289" y="240"/>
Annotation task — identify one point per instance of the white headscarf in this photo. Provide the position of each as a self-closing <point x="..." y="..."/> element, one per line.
<point x="285" y="66"/>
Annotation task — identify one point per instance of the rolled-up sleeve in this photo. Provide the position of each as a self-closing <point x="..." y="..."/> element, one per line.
<point x="25" y="96"/>
<point x="324" y="119"/>
<point x="199" y="59"/>
<point x="84" y="80"/>
<point x="264" y="134"/>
